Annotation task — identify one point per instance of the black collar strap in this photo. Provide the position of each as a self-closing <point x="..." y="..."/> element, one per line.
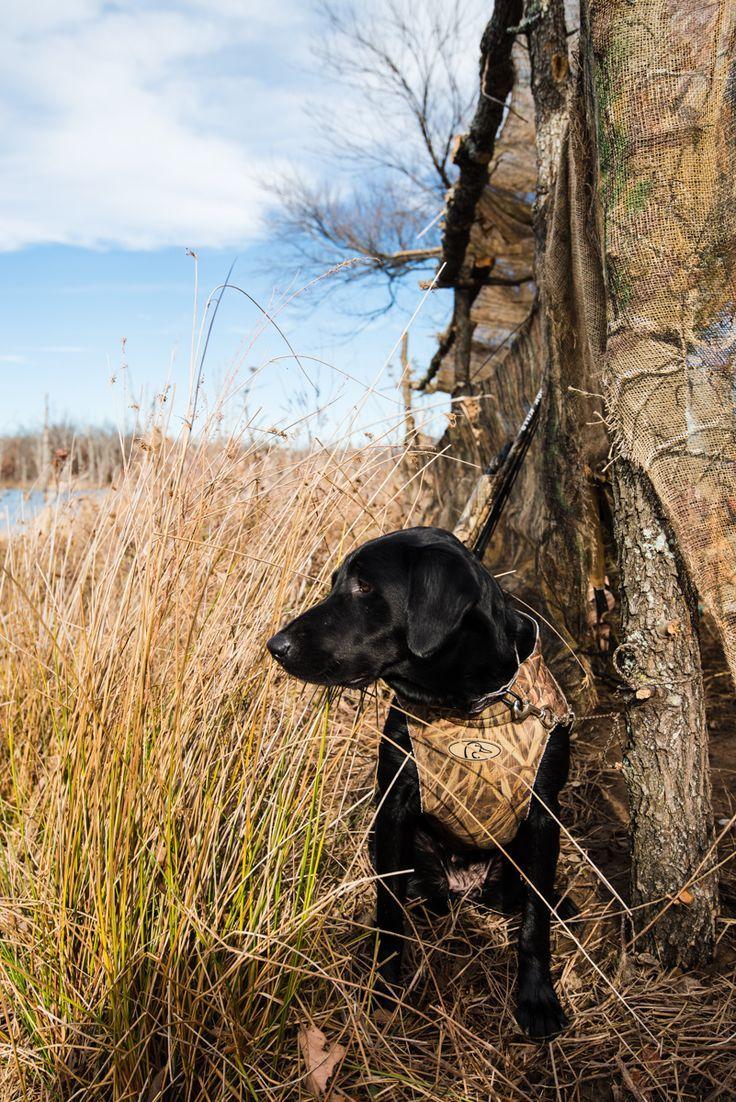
<point x="518" y="704"/>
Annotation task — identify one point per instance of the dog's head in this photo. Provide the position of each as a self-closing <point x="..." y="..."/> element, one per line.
<point x="405" y="607"/>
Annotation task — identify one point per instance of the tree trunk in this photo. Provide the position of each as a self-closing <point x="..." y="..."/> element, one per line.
<point x="562" y="555"/>
<point x="44" y="466"/>
<point x="666" y="765"/>
<point x="551" y="87"/>
<point x="464" y="327"/>
<point x="409" y="424"/>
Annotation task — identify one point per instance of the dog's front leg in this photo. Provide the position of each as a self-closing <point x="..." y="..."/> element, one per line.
<point x="538" y="1009"/>
<point x="393" y="844"/>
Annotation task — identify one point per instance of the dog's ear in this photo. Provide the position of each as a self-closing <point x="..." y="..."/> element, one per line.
<point x="441" y="590"/>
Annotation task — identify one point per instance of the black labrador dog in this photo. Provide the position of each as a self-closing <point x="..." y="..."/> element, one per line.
<point x="416" y="609"/>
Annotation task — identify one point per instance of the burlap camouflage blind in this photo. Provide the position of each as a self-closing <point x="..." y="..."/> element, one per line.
<point x="664" y="85"/>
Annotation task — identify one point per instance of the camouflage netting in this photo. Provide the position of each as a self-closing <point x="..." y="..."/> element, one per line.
<point x="502" y="237"/>
<point x="549" y="525"/>
<point x="664" y="86"/>
<point x="506" y="355"/>
<point x="637" y="302"/>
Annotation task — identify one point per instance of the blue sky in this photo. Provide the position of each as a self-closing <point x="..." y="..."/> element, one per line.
<point x="133" y="132"/>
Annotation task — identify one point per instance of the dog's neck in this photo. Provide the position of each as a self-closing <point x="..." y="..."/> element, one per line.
<point x="480" y="660"/>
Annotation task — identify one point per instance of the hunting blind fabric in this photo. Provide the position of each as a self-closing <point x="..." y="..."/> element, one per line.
<point x="664" y="85"/>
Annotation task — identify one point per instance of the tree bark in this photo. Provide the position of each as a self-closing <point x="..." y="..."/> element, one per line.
<point x="475" y="149"/>
<point x="562" y="556"/>
<point x="409" y="423"/>
<point x="551" y="87"/>
<point x="464" y="327"/>
<point x="666" y="764"/>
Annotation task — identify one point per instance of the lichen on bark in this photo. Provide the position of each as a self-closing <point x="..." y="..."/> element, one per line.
<point x="666" y="764"/>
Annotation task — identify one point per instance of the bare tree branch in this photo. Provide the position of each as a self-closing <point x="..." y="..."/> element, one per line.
<point x="445" y="341"/>
<point x="475" y="148"/>
<point x="397" y="135"/>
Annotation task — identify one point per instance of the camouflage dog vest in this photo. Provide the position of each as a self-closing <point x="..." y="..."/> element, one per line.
<point x="476" y="774"/>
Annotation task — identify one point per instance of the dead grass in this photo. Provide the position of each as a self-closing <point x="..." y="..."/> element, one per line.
<point x="183" y="870"/>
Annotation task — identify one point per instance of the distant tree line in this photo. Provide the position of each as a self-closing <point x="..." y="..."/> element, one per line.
<point x="45" y="456"/>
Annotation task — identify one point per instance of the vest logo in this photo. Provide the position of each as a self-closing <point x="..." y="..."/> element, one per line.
<point x="474" y="749"/>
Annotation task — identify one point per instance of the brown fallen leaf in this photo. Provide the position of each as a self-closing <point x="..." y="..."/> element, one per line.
<point x="632" y="1080"/>
<point x="617" y="805"/>
<point x="323" y="1061"/>
<point x="156" y="1088"/>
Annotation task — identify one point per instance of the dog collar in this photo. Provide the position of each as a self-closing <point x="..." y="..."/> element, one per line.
<point x="532" y="691"/>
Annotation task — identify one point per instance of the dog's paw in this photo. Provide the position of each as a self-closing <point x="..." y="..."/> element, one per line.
<point x="567" y="909"/>
<point x="383" y="1005"/>
<point x="387" y="987"/>
<point x="539" y="1013"/>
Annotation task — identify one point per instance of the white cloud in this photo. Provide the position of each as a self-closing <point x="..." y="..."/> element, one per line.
<point x="150" y="123"/>
<point x="141" y="125"/>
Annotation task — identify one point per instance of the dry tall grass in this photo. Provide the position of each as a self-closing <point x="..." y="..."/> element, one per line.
<point x="183" y="870"/>
<point x="168" y="794"/>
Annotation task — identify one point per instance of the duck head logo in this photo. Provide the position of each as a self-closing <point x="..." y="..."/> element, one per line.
<point x="474" y="749"/>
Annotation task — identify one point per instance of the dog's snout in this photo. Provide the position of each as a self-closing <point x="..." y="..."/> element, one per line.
<point x="279" y="645"/>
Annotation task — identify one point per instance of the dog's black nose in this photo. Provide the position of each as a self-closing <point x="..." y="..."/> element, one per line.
<point x="279" y="645"/>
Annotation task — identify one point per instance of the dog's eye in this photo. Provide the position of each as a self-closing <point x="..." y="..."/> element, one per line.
<point x="363" y="586"/>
